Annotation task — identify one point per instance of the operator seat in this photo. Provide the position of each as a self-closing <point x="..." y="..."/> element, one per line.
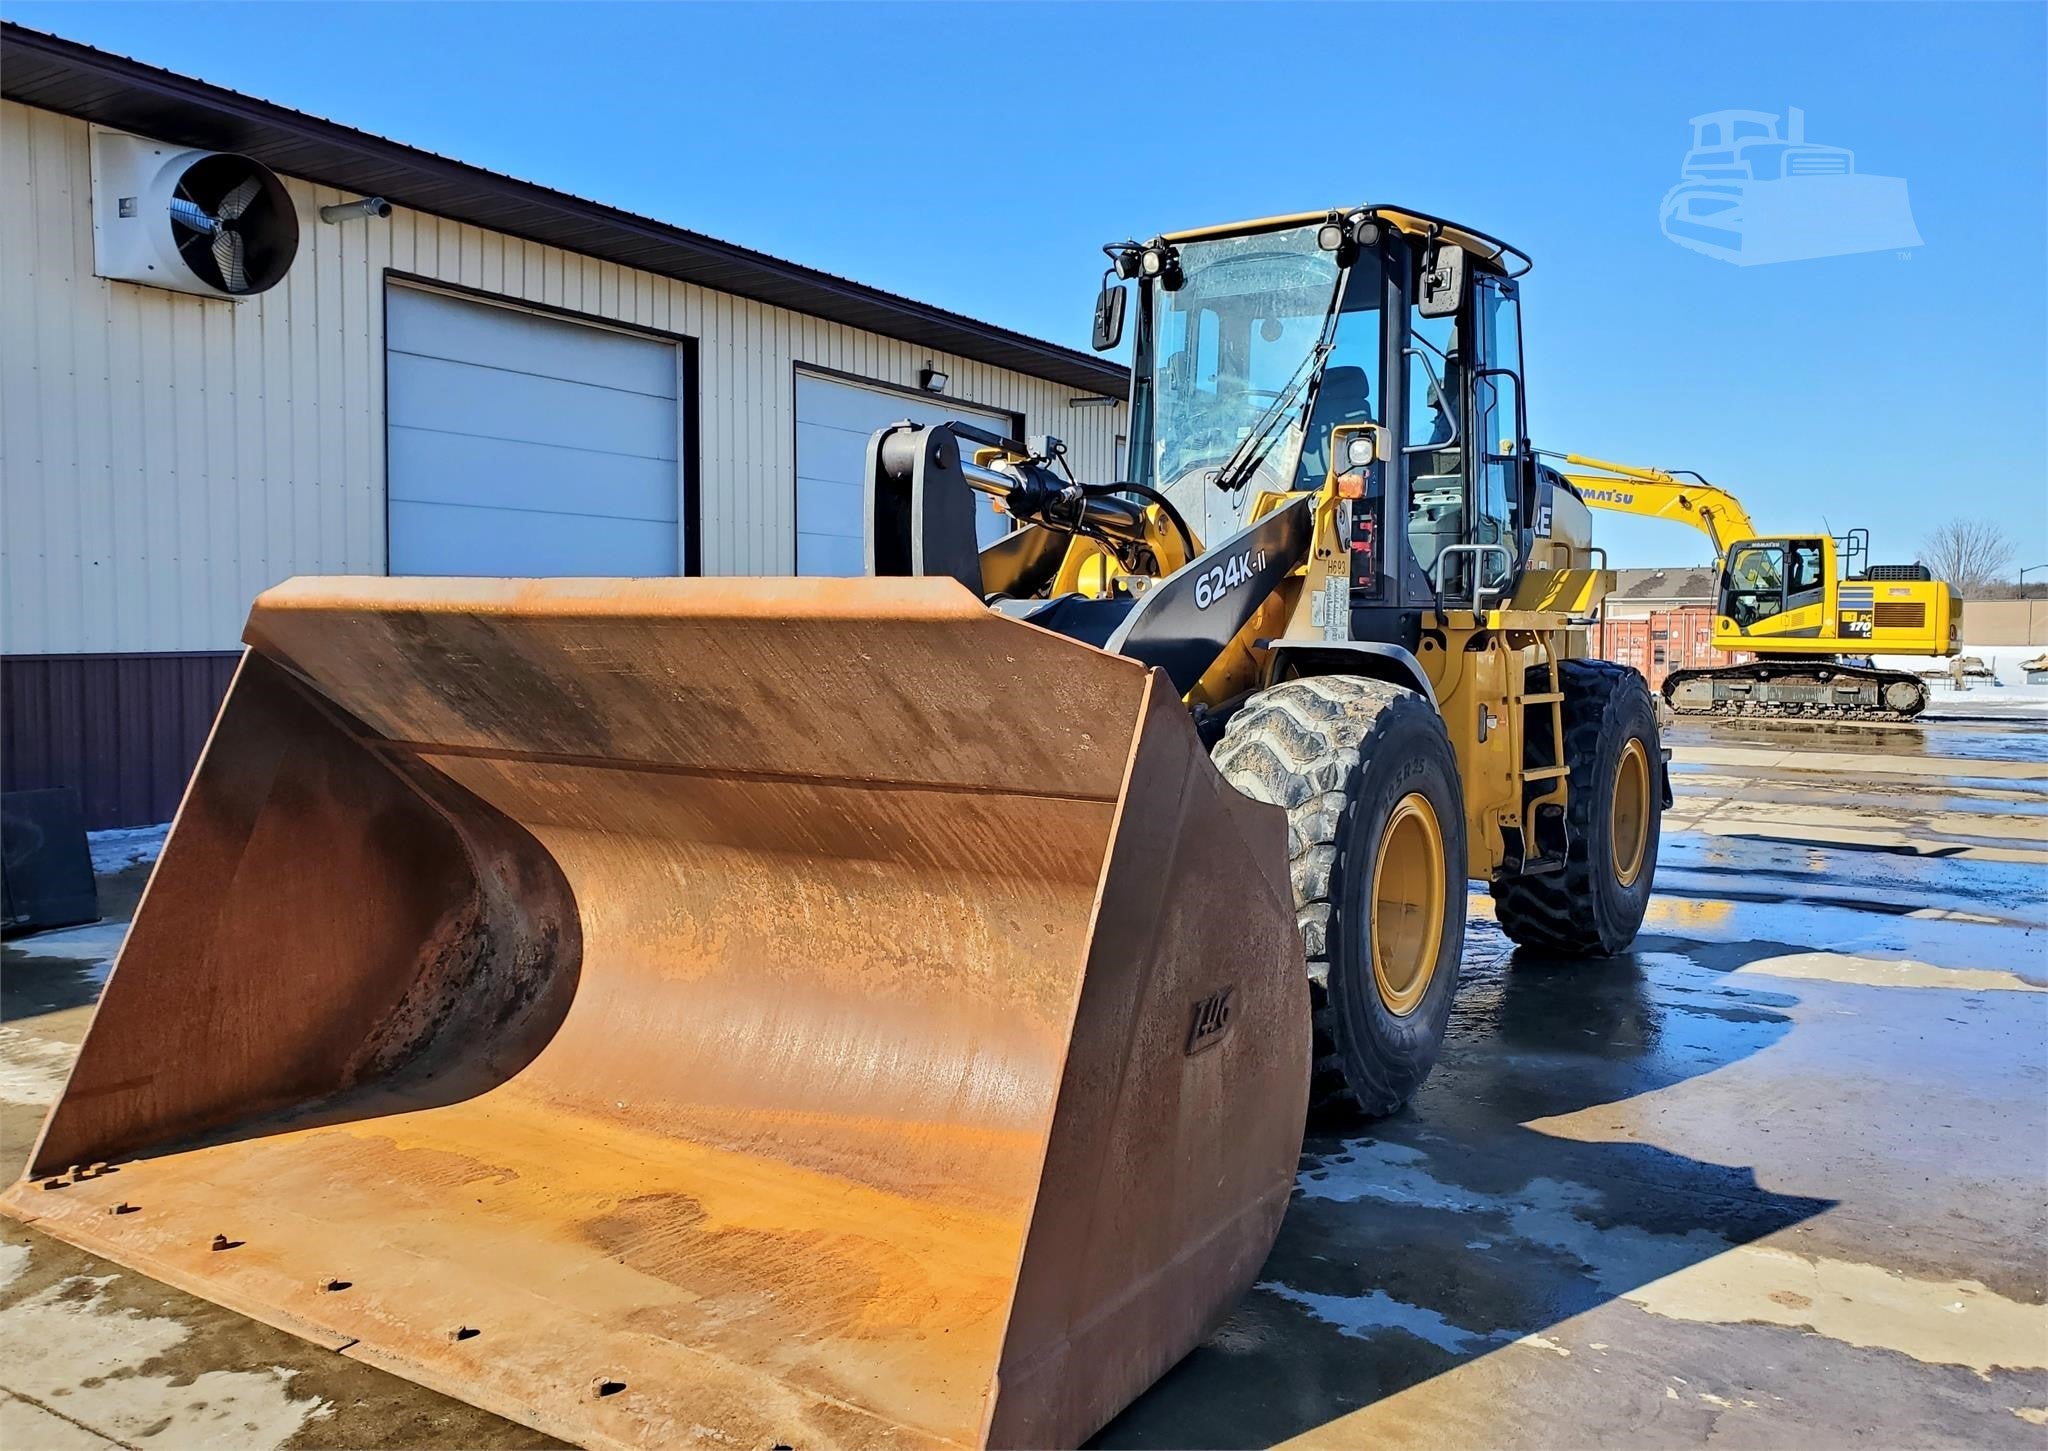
<point x="1344" y="396"/>
<point x="1436" y="515"/>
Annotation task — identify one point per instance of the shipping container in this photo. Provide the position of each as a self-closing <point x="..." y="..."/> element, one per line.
<point x="1662" y="641"/>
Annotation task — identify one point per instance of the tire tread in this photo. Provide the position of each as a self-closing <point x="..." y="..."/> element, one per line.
<point x="1555" y="912"/>
<point x="1298" y="746"/>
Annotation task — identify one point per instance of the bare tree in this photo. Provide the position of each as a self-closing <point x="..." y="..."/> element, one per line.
<point x="1974" y="555"/>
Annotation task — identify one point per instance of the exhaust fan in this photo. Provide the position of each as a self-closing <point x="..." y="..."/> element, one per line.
<point x="205" y="222"/>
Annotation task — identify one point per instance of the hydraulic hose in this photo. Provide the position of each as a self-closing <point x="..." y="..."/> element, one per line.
<point x="1146" y="491"/>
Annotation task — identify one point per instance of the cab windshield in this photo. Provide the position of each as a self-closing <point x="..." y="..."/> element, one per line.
<point x="1228" y="356"/>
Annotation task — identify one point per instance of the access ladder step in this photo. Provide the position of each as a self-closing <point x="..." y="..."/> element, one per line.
<point x="1544" y="697"/>
<point x="1545" y="773"/>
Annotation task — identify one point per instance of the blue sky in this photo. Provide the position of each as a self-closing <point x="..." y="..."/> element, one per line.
<point x="975" y="157"/>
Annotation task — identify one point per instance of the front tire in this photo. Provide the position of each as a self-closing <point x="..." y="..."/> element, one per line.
<point x="1613" y="818"/>
<point x="1376" y="840"/>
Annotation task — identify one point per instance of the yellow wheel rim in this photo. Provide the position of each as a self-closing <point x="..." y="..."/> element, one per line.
<point x="1629" y="820"/>
<point x="1407" y="904"/>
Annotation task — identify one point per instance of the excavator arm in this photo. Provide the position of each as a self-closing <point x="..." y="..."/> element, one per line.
<point x="1654" y="494"/>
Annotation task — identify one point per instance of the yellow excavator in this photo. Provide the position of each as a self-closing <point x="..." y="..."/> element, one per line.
<point x="883" y="1011"/>
<point x="1810" y="607"/>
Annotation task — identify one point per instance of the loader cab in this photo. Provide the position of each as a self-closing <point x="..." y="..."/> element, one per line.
<point x="1467" y="470"/>
<point x="1456" y="506"/>
<point x="1256" y="343"/>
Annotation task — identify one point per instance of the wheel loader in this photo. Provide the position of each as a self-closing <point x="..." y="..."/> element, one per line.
<point x="883" y="1011"/>
<point x="1811" y="608"/>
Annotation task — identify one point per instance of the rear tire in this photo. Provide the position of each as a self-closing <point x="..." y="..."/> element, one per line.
<point x="1375" y="815"/>
<point x="1613" y="818"/>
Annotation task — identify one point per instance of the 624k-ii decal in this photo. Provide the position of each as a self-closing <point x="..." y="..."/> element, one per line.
<point x="1220" y="578"/>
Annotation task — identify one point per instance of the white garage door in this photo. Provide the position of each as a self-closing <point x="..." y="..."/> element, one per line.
<point x="528" y="445"/>
<point x="833" y="421"/>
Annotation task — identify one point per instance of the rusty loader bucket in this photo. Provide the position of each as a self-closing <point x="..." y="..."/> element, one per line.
<point x="746" y="1012"/>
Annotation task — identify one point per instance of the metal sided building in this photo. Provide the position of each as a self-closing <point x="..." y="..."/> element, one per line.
<point x="495" y="378"/>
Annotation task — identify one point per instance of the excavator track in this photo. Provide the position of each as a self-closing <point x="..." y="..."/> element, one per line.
<point x="1796" y="690"/>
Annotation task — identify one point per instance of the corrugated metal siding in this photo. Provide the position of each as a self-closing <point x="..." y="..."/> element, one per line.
<point x="165" y="457"/>
<point x="124" y="729"/>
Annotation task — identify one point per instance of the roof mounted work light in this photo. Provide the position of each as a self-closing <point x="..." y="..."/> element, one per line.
<point x="1161" y="261"/>
<point x="1342" y="234"/>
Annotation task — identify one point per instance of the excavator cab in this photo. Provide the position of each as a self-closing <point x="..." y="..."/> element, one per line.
<point x="1786" y="581"/>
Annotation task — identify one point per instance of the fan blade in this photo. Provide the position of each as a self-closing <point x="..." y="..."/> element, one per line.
<point x="227" y="255"/>
<point x="237" y="201"/>
<point x="191" y="214"/>
<point x="197" y="250"/>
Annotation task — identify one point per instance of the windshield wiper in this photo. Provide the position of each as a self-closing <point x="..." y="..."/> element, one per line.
<point x="1238" y="467"/>
<point x="1247" y="455"/>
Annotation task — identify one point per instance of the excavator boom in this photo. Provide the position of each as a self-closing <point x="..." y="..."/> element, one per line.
<point x="1654" y="494"/>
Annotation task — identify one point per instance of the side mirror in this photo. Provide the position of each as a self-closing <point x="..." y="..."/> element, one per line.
<point x="1109" y="317"/>
<point x="1443" y="282"/>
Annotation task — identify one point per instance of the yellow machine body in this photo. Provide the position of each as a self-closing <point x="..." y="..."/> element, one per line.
<point x="1822" y="613"/>
<point x="1477" y="664"/>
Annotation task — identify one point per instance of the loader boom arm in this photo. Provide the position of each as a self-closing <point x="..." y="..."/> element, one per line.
<point x="1654" y="494"/>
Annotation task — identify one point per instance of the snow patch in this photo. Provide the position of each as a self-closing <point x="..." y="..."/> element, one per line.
<point x="13" y="1260"/>
<point x="1387" y="1173"/>
<point x="93" y="947"/>
<point x="2007" y="690"/>
<point x="121" y="847"/>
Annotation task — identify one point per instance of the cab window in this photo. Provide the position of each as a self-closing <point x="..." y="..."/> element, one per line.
<point x="1348" y="391"/>
<point x="1806" y="571"/>
<point x="1434" y="393"/>
<point x="1497" y="426"/>
<point x="1756" y="583"/>
<point x="1435" y="448"/>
